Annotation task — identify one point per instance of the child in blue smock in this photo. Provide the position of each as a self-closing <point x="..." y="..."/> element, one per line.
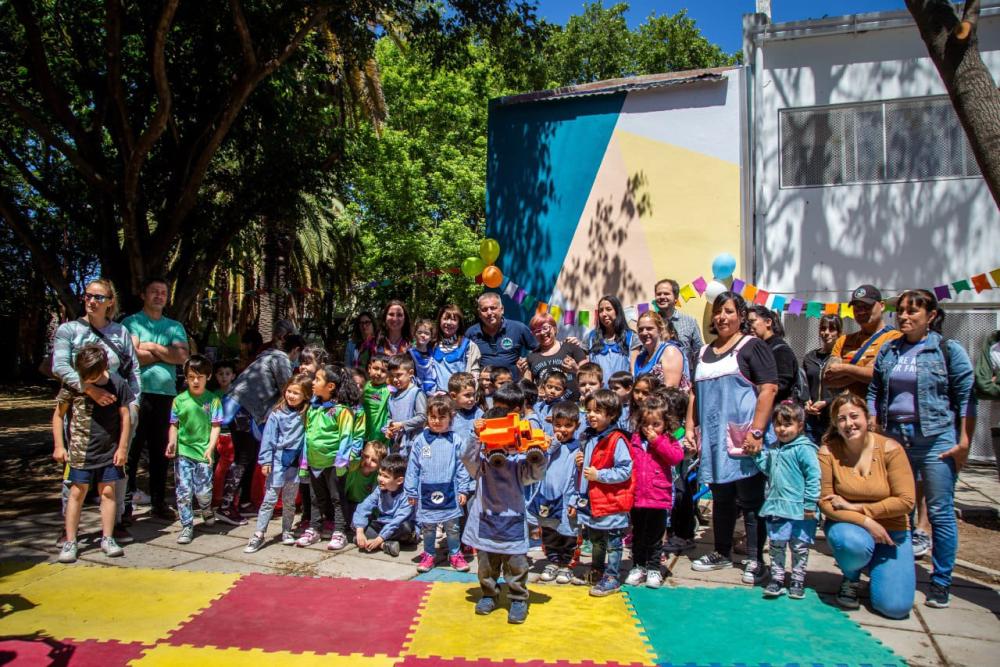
<point x="407" y="406"/>
<point x="438" y="484"/>
<point x="385" y="517"/>
<point x="462" y="390"/>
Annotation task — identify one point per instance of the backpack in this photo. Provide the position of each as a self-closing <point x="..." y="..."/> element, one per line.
<point x="800" y="390"/>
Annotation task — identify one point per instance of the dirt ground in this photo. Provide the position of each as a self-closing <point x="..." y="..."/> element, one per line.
<point x="29" y="478"/>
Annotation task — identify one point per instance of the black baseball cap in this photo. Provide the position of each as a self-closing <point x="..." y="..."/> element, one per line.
<point x="868" y="294"/>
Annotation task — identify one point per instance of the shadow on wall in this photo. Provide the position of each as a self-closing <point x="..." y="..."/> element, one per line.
<point x="605" y="268"/>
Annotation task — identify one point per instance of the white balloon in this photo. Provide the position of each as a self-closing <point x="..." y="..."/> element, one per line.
<point x="714" y="289"/>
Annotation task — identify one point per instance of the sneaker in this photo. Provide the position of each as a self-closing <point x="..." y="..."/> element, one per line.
<point x="140" y="498"/>
<point x="774" y="589"/>
<point x="485" y="605"/>
<point x="586" y="548"/>
<point x="550" y="573"/>
<point x="186" y="535"/>
<point x="797" y="590"/>
<point x="426" y="563"/>
<point x="654" y="579"/>
<point x="589" y="579"/>
<point x="255" y="543"/>
<point x="847" y="596"/>
<point x="288" y="538"/>
<point x="518" y="612"/>
<point x="208" y="516"/>
<point x="712" y="561"/>
<point x="68" y="552"/>
<point x="111" y="548"/>
<point x="937" y="597"/>
<point x="676" y="545"/>
<point x="337" y="541"/>
<point x="248" y="508"/>
<point x="231" y="516"/>
<point x="564" y="576"/>
<point x="164" y="512"/>
<point x="308" y="538"/>
<point x="753" y="573"/>
<point x="921" y="543"/>
<point x="606" y="586"/>
<point x="391" y="548"/>
<point x="636" y="576"/>
<point x="458" y="562"/>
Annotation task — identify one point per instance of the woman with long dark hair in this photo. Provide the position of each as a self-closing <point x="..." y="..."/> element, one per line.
<point x="362" y="341"/>
<point x="612" y="344"/>
<point x="395" y="329"/>
<point x="453" y="352"/>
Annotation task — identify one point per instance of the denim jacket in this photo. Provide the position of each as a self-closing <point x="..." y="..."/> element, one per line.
<point x="944" y="388"/>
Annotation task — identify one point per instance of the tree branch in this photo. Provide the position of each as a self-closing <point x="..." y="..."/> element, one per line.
<point x="116" y="91"/>
<point x="163" y="238"/>
<point x="243" y="30"/>
<point x="38" y="184"/>
<point x="45" y="132"/>
<point x="46" y="264"/>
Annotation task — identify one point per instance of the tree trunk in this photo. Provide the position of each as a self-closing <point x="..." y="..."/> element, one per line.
<point x="953" y="45"/>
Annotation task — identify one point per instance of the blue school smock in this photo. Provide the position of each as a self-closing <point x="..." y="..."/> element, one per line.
<point x="435" y="476"/>
<point x="550" y="505"/>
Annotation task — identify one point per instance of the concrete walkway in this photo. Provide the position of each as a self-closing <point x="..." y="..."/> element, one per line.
<point x="966" y="634"/>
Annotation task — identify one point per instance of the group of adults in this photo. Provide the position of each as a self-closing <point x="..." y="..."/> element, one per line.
<point x="885" y="405"/>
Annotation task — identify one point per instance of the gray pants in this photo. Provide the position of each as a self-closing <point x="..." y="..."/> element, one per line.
<point x="288" y="492"/>
<point x="800" y="558"/>
<point x="515" y="572"/>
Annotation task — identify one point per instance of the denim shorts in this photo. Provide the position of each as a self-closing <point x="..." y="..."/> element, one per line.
<point x="106" y="474"/>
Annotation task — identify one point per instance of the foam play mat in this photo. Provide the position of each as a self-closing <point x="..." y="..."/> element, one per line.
<point x="82" y="615"/>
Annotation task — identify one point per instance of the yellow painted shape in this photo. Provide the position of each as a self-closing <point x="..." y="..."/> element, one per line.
<point x="165" y="654"/>
<point x="105" y="603"/>
<point x="564" y="623"/>
<point x="692" y="212"/>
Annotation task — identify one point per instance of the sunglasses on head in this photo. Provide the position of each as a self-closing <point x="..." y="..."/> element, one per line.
<point x="99" y="298"/>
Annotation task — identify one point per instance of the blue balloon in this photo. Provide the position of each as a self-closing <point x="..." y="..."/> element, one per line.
<point x="723" y="266"/>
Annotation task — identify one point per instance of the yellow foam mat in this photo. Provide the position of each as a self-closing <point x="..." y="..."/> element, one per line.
<point x="164" y="654"/>
<point x="558" y="617"/>
<point x="105" y="603"/>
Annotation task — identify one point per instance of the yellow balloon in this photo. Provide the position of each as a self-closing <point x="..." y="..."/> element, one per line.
<point x="492" y="277"/>
<point x="489" y="250"/>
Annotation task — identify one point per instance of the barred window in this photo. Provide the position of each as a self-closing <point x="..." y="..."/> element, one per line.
<point x="901" y="140"/>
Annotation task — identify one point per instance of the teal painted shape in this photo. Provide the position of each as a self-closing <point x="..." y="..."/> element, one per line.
<point x="737" y="626"/>
<point x="543" y="159"/>
<point x="451" y="576"/>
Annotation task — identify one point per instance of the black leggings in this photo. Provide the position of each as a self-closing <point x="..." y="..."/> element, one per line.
<point x="746" y="495"/>
<point x="151" y="434"/>
<point x="682" y="514"/>
<point x="648" y="526"/>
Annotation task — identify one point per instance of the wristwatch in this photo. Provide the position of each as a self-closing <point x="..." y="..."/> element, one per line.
<point x="757" y="433"/>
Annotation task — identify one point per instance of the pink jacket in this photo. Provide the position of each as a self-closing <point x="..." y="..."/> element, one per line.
<point x="651" y="469"/>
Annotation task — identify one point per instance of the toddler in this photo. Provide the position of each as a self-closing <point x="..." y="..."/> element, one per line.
<point x="375" y="399"/>
<point x="656" y="449"/>
<point x="497" y="524"/>
<point x="438" y="484"/>
<point x="621" y="383"/>
<point x="407" y="406"/>
<point x="462" y="390"/>
<point x="791" y="503"/>
<point x="362" y="474"/>
<point x="385" y="517"/>
<point x="424" y="340"/>
<point x="195" y="424"/>
<point x="552" y="391"/>
<point x="486" y="388"/>
<point x="280" y="455"/>
<point x="98" y="445"/>
<point x="550" y="507"/>
<point x="606" y="490"/>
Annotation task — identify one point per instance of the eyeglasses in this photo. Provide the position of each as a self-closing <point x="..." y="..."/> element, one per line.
<point x="99" y="298"/>
<point x="365" y="323"/>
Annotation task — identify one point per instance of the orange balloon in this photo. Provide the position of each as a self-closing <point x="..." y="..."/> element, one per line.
<point x="492" y="277"/>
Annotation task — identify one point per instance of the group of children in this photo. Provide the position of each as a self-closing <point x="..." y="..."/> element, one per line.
<point x="374" y="456"/>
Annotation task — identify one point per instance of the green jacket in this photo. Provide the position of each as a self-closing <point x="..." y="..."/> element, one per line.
<point x="986" y="387"/>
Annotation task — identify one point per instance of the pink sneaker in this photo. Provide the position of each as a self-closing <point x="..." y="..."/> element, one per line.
<point x="337" y="542"/>
<point x="459" y="563"/>
<point x="426" y="563"/>
<point x="309" y="537"/>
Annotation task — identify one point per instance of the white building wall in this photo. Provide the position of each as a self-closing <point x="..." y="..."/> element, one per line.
<point x="823" y="241"/>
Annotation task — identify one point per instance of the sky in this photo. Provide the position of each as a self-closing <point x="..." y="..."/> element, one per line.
<point x="721" y="20"/>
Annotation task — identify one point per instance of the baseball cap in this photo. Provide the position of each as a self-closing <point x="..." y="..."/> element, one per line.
<point x="868" y="294"/>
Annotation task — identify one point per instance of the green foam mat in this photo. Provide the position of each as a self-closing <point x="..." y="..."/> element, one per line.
<point x="737" y="626"/>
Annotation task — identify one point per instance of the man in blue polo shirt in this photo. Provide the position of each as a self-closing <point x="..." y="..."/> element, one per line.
<point x="501" y="341"/>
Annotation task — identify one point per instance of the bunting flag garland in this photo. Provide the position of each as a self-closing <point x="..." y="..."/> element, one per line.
<point x="569" y="316"/>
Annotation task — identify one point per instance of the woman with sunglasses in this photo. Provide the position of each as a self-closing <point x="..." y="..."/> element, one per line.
<point x="100" y="303"/>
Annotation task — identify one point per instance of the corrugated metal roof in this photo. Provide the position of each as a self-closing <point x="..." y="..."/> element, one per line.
<point x="610" y="86"/>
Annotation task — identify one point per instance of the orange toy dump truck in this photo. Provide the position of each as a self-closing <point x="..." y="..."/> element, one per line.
<point x="511" y="435"/>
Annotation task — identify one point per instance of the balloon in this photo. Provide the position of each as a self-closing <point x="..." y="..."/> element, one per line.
<point x="492" y="277"/>
<point x="472" y="266"/>
<point x="714" y="289"/>
<point x="723" y="266"/>
<point x="489" y="250"/>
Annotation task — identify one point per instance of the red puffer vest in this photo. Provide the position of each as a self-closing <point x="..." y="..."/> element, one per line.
<point x="604" y="498"/>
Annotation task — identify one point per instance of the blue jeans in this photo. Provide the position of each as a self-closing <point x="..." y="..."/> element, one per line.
<point x="193" y="479"/>
<point x="606" y="544"/>
<point x="938" y="477"/>
<point x="893" y="579"/>
<point x="429" y="531"/>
